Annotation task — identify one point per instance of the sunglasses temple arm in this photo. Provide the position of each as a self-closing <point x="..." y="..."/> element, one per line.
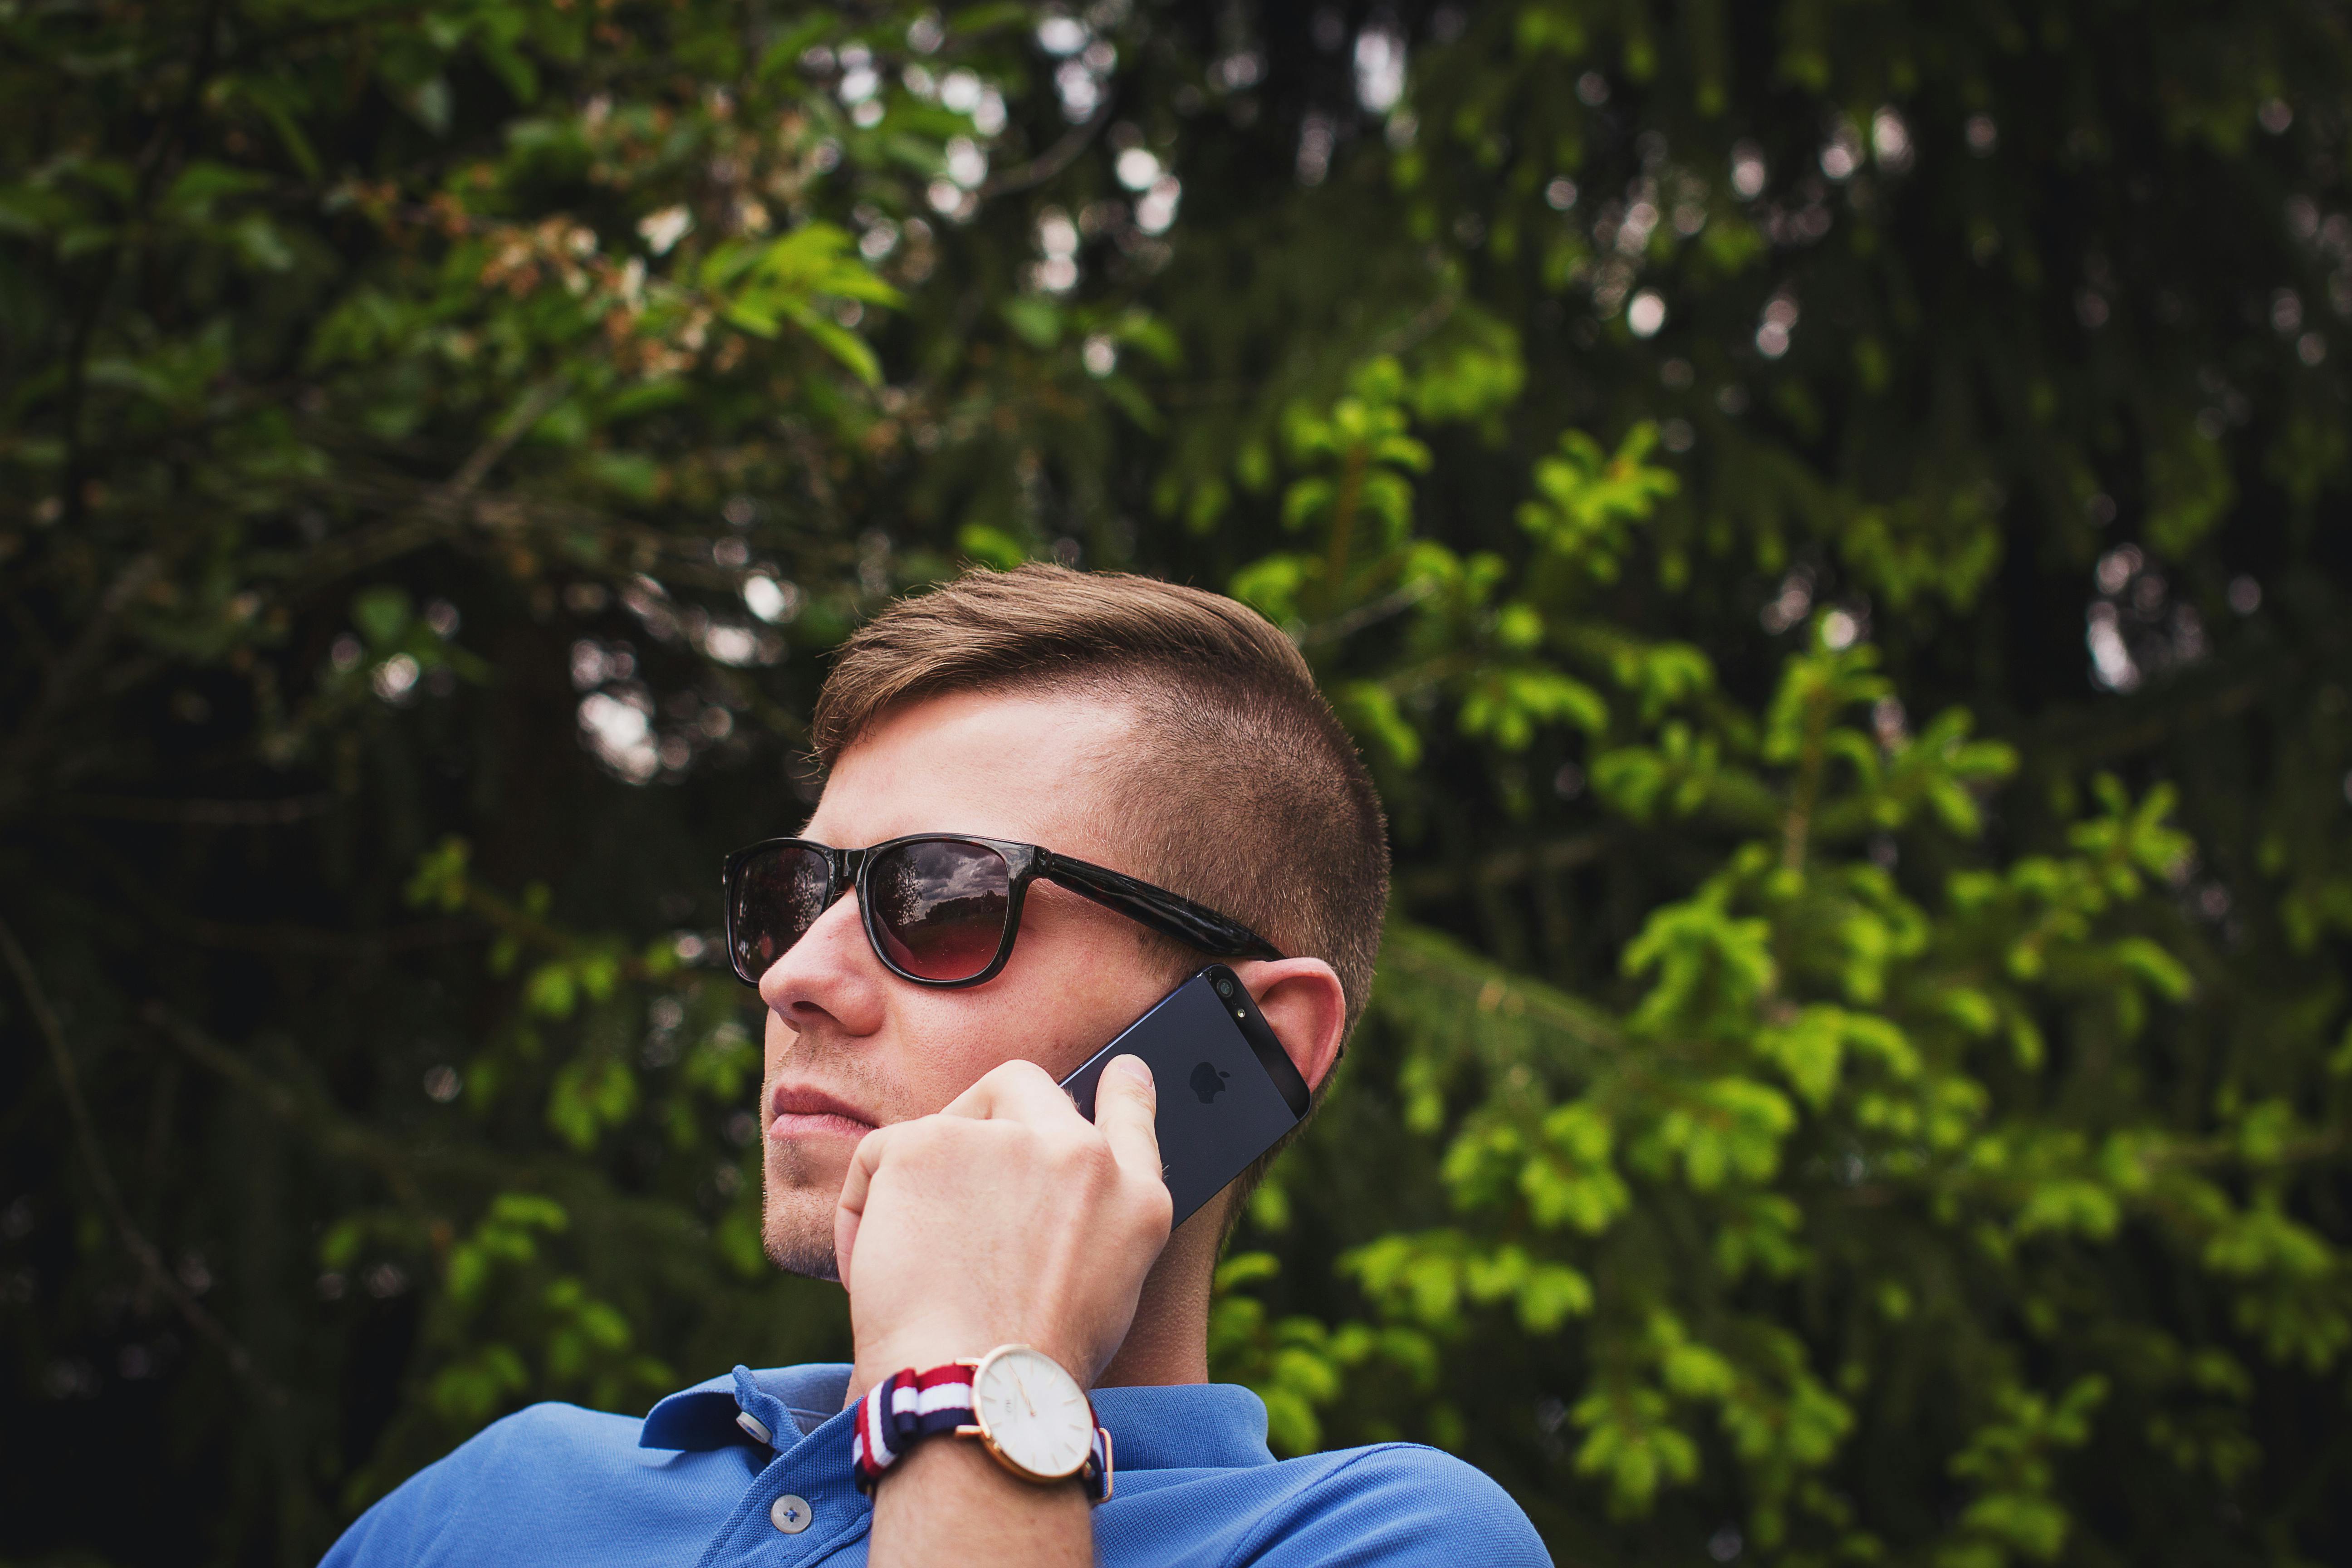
<point x="1192" y="924"/>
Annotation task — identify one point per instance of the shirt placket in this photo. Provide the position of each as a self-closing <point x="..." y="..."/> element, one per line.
<point x="805" y="1506"/>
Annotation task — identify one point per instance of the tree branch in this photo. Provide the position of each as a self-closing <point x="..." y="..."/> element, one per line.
<point x="335" y="1133"/>
<point x="475" y="468"/>
<point x="65" y="676"/>
<point x="209" y="813"/>
<point x="134" y="1241"/>
<point x="1805" y="799"/>
<point x="1503" y="867"/>
<point x="1051" y="162"/>
<point x="1371" y="613"/>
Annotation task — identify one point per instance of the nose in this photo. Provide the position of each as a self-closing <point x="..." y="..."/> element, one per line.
<point x="830" y="974"/>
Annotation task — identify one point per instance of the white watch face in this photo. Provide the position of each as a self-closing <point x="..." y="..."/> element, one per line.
<point x="1034" y="1412"/>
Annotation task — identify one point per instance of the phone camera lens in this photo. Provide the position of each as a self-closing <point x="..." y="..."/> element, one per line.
<point x="1225" y="989"/>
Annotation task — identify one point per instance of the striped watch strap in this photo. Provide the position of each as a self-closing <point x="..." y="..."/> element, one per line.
<point x="907" y="1406"/>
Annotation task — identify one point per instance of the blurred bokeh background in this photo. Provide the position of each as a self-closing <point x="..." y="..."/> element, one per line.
<point x="1828" y="520"/>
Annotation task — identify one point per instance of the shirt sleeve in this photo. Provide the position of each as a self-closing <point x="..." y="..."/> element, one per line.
<point x="1398" y="1505"/>
<point x="512" y="1487"/>
<point x="390" y="1533"/>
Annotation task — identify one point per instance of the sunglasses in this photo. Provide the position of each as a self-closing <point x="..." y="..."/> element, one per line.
<point x="941" y="909"/>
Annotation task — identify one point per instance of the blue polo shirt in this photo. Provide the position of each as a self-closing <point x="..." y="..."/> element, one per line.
<point x="688" y="1486"/>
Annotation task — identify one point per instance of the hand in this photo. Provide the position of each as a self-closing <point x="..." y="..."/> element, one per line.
<point x="1007" y="1217"/>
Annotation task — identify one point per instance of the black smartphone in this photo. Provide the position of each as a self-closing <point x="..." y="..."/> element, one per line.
<point x="1228" y="1091"/>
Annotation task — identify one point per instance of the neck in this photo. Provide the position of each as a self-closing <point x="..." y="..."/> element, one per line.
<point x="1169" y="1340"/>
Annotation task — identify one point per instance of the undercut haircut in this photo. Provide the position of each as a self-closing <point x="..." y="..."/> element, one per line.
<point x="1240" y="790"/>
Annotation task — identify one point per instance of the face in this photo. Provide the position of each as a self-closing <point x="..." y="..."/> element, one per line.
<point x="850" y="1045"/>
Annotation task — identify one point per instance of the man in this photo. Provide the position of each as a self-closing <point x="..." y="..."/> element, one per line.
<point x="922" y="1009"/>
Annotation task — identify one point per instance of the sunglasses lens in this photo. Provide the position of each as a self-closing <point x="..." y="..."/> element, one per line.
<point x="939" y="907"/>
<point x="774" y="898"/>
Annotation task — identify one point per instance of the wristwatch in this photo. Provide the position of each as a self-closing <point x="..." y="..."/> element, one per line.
<point x="1026" y="1410"/>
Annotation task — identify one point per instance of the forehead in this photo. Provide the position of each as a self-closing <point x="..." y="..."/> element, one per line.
<point x="1028" y="766"/>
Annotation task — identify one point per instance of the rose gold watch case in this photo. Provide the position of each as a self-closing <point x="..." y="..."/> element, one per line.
<point x="978" y="1425"/>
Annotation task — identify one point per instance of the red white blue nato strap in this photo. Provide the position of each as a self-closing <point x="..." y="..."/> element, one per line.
<point x="907" y="1406"/>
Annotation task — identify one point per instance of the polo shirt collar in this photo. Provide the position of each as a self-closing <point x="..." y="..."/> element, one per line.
<point x="1198" y="1425"/>
<point x="1184" y="1427"/>
<point x="788" y="1401"/>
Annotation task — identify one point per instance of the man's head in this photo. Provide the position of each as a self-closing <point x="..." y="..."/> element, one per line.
<point x="1156" y="729"/>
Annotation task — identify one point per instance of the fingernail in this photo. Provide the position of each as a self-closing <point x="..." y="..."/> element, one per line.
<point x="1135" y="1068"/>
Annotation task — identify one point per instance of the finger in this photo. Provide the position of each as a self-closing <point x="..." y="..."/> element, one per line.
<point x="1015" y="1090"/>
<point x="1126" y="1104"/>
<point x="865" y="1160"/>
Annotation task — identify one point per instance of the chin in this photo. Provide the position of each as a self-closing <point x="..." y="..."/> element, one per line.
<point x="796" y="1233"/>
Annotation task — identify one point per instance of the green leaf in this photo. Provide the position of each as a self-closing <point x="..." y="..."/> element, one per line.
<point x="1036" y="320"/>
<point x="383" y="616"/>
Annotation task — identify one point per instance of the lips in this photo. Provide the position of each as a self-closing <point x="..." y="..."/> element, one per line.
<point x="799" y="1112"/>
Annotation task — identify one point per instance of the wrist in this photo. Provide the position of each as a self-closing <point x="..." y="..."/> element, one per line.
<point x="917" y="1351"/>
<point x="923" y="1346"/>
<point x="878" y="1359"/>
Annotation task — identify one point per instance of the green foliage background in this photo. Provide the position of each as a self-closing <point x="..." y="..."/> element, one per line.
<point x="1826" y="519"/>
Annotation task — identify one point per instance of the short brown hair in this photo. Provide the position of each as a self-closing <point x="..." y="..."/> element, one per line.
<point x="1269" y="815"/>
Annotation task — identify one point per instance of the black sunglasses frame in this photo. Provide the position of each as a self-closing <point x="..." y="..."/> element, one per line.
<point x="1171" y="914"/>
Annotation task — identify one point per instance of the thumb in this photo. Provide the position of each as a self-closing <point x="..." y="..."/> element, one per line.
<point x="1126" y="1104"/>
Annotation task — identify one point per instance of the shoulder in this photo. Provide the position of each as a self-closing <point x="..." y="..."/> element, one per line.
<point x="1402" y="1504"/>
<point x="533" y="1452"/>
<point x="542" y="1441"/>
<point x="551" y="1433"/>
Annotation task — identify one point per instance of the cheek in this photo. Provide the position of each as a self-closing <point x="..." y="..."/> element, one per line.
<point x="953" y="1040"/>
<point x="1079" y="990"/>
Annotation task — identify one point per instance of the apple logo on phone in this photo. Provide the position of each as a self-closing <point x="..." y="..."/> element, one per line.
<point x="1208" y="1082"/>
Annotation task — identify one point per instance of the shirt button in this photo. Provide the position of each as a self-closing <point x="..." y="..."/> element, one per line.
<point x="791" y="1513"/>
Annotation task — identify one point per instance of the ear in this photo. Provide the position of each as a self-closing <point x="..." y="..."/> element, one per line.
<point x="1303" y="1000"/>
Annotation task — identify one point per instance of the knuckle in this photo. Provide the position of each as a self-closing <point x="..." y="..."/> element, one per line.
<point x="1013" y="1073"/>
<point x="912" y="1130"/>
<point x="1155" y="1209"/>
<point x="1103" y="1170"/>
<point x="927" y="1137"/>
<point x="1082" y="1155"/>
